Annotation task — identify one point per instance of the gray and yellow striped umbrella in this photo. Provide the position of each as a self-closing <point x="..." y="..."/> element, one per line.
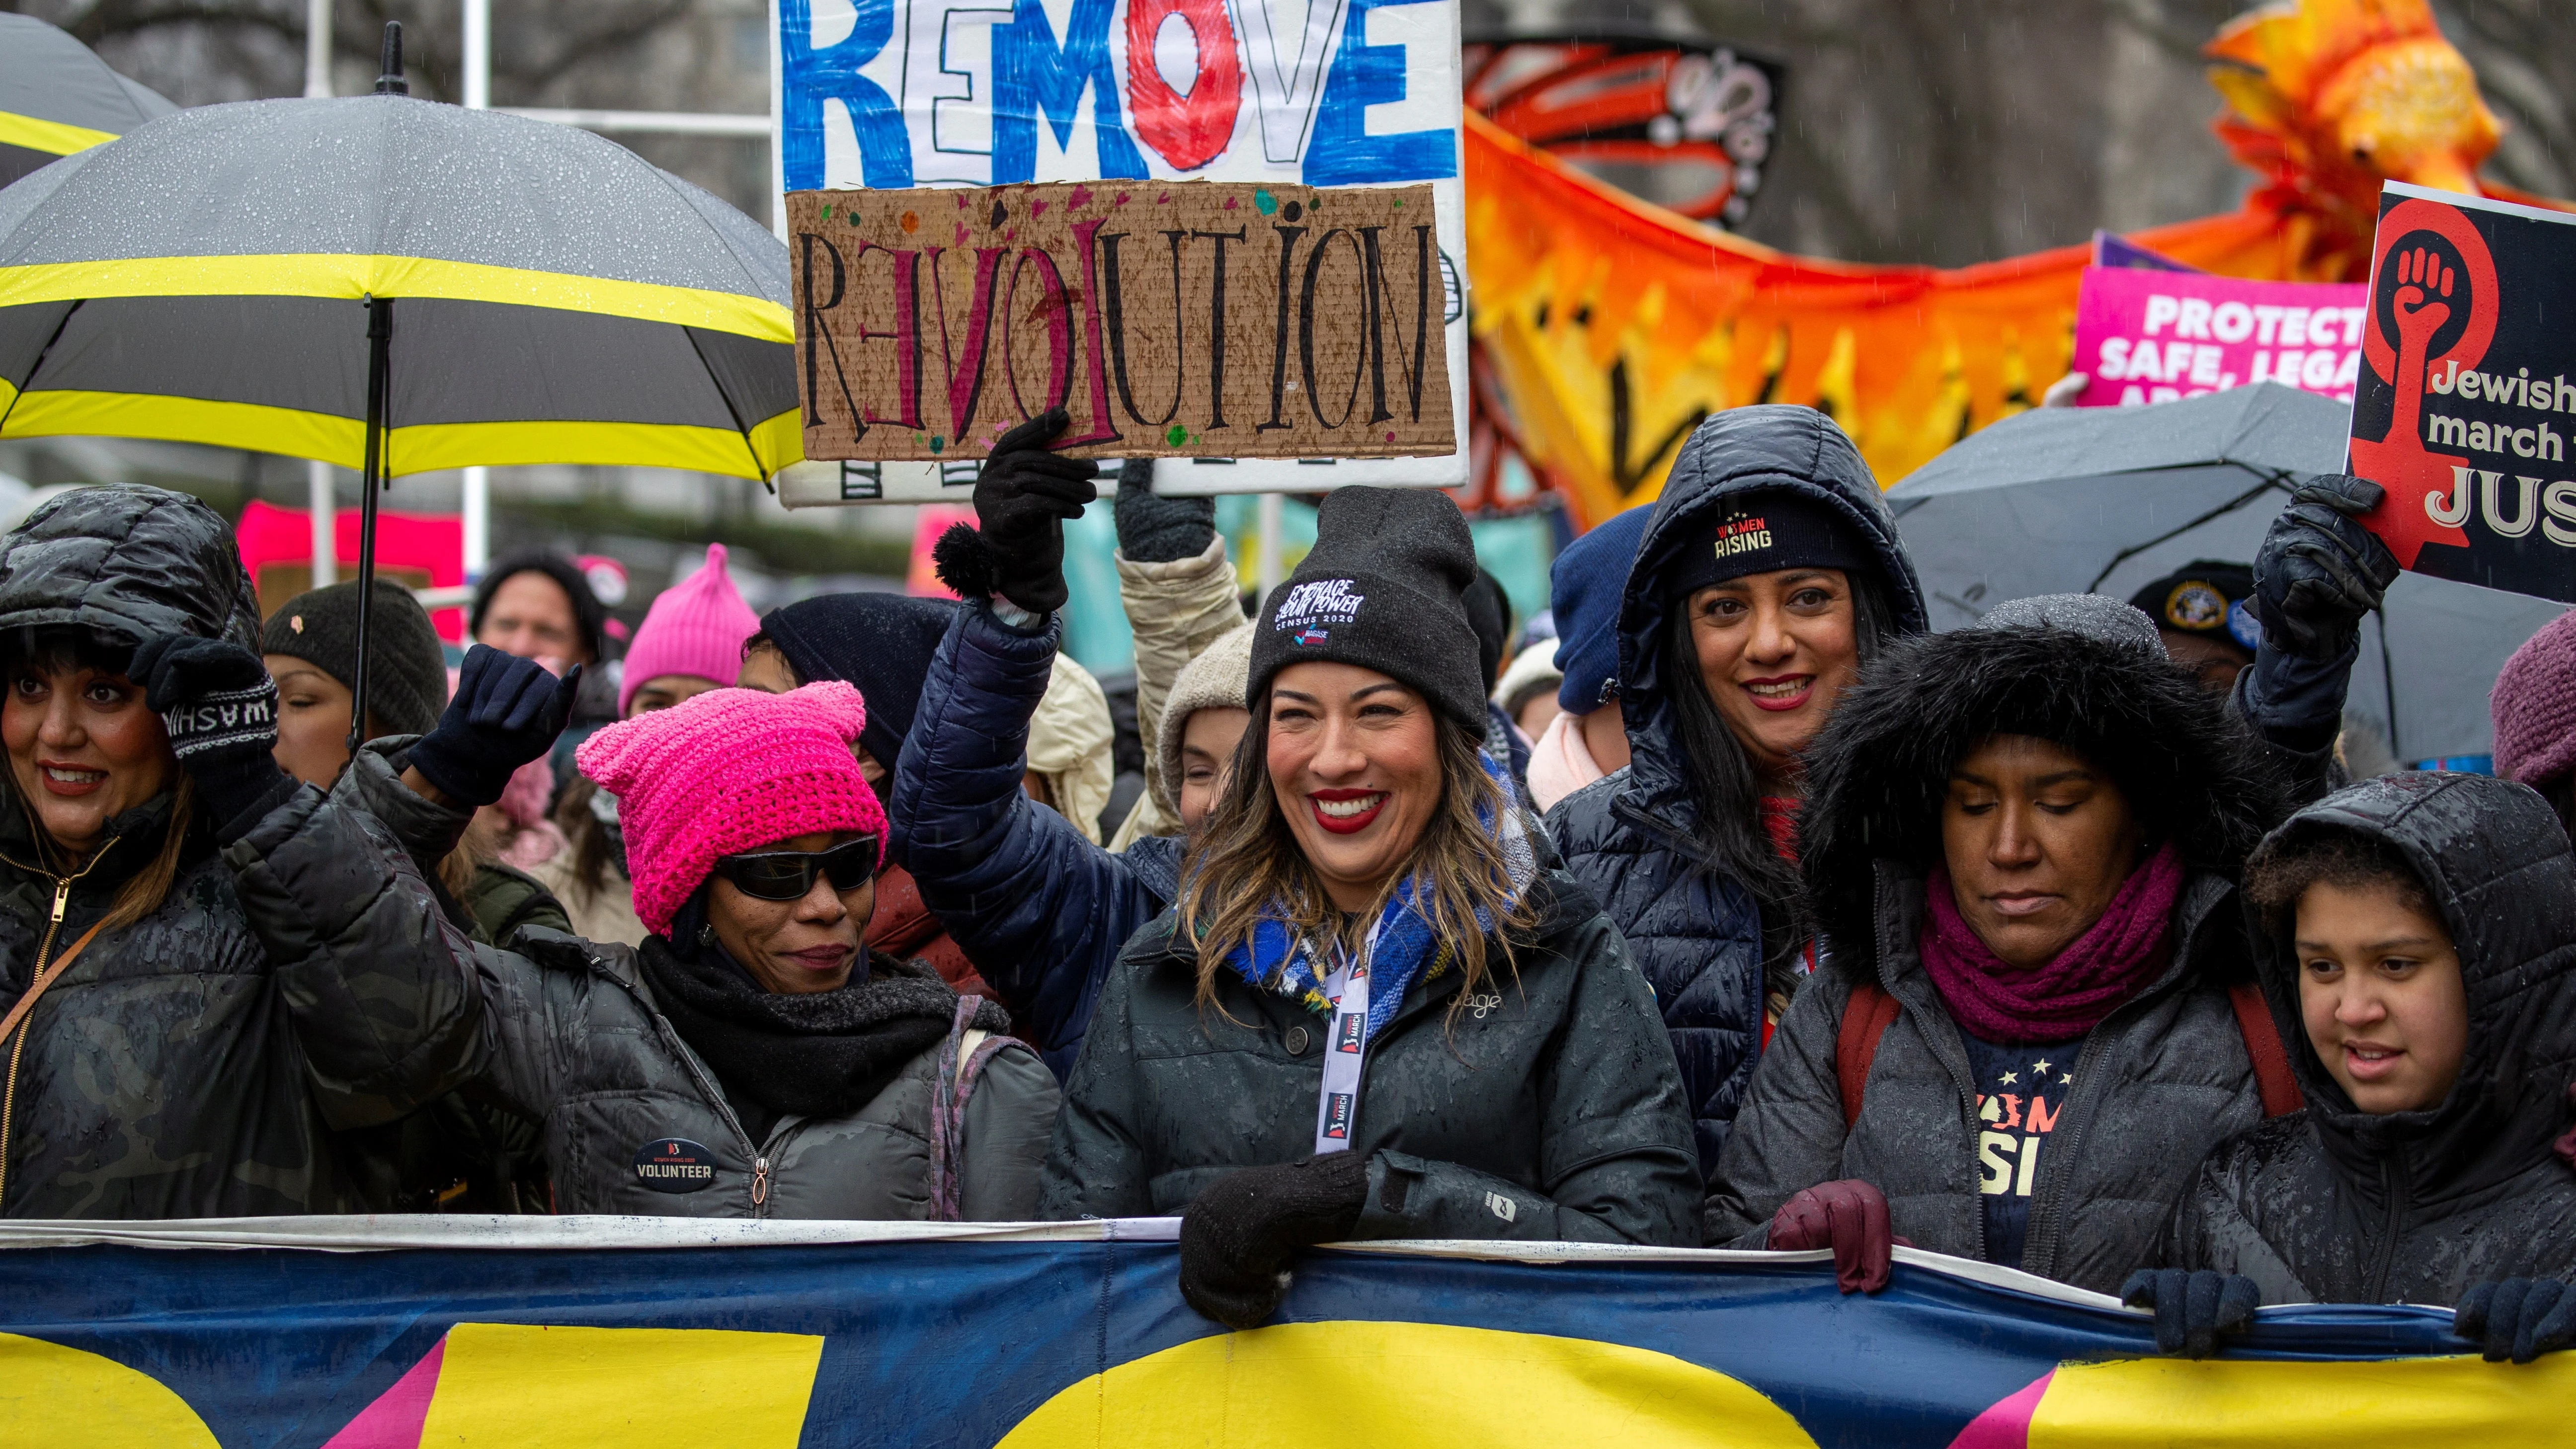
<point x="57" y="98"/>
<point x="552" y="298"/>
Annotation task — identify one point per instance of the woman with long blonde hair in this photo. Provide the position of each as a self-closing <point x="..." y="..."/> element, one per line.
<point x="1373" y="1012"/>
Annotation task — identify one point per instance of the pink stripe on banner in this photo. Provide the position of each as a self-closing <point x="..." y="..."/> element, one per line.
<point x="394" y="1420"/>
<point x="2004" y="1426"/>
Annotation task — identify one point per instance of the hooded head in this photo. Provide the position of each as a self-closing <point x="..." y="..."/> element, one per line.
<point x="2496" y="868"/>
<point x="696" y="627"/>
<point x="1384" y="588"/>
<point x="882" y="643"/>
<point x="2083" y="672"/>
<point x="127" y="563"/>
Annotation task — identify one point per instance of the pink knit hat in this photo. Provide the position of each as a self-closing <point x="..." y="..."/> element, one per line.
<point x="729" y="771"/>
<point x="2534" y="704"/>
<point x="696" y="626"/>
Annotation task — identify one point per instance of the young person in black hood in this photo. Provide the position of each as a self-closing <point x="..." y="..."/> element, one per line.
<point x="1769" y="574"/>
<point x="2417" y="941"/>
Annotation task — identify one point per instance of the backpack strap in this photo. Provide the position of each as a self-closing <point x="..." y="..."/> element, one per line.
<point x="1866" y="1017"/>
<point x="2263" y="1045"/>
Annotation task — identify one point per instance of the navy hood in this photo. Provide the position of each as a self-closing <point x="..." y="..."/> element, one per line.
<point x="1766" y="447"/>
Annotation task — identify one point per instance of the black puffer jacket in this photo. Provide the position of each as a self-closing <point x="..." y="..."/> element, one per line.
<point x="1635" y="839"/>
<point x="1545" y="1108"/>
<point x="216" y="1057"/>
<point x="2331" y="1205"/>
<point x="2155" y="1083"/>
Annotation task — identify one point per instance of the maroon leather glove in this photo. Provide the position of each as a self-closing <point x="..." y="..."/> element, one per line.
<point x="1848" y="1216"/>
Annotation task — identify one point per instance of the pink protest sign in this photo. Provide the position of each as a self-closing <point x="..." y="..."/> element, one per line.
<point x="2151" y="337"/>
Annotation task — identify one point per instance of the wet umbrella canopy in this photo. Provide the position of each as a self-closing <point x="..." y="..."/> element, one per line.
<point x="57" y="98"/>
<point x="553" y="298"/>
<point x="2104" y="500"/>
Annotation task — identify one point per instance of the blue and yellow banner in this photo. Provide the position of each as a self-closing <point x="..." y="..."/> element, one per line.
<point x="641" y="1333"/>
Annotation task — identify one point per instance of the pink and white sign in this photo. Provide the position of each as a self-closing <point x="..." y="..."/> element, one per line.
<point x="2151" y="337"/>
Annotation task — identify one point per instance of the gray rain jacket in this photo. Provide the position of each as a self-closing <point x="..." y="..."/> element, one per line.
<point x="2331" y="1205"/>
<point x="1546" y="1108"/>
<point x="2156" y="1083"/>
<point x="221" y="1056"/>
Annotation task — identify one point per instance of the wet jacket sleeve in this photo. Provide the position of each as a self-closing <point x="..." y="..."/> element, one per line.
<point x="1095" y="1166"/>
<point x="1175" y="609"/>
<point x="2296" y="708"/>
<point x="1789" y="1137"/>
<point x="2210" y="1231"/>
<point x="378" y="984"/>
<point x="1008" y="1121"/>
<point x="1041" y="911"/>
<point x="1615" y="1153"/>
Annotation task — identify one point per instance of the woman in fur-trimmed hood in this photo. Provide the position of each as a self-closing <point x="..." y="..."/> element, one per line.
<point x="2021" y="843"/>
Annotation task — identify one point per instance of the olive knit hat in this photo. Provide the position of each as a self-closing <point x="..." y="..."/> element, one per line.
<point x="406" y="665"/>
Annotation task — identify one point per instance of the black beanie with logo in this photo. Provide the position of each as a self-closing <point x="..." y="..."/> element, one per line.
<point x="1384" y="589"/>
<point x="406" y="665"/>
<point x="1762" y="533"/>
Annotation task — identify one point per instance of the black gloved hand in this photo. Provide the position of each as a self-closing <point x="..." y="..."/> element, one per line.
<point x="1022" y="499"/>
<point x="220" y="708"/>
<point x="2518" y="1318"/>
<point x="1238" y="1236"/>
<point x="2319" y="570"/>
<point x="1155" y="529"/>
<point x="507" y="711"/>
<point x="2192" y="1308"/>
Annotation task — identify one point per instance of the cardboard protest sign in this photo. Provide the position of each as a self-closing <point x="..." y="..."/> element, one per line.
<point x="1294" y="95"/>
<point x="1195" y="319"/>
<point x="2468" y="392"/>
<point x="2150" y="336"/>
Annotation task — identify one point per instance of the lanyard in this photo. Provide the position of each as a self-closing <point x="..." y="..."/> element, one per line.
<point x="1346" y="1048"/>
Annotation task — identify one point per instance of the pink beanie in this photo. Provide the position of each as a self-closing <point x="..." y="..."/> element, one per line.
<point x="2534" y="705"/>
<point x="696" y="626"/>
<point x="729" y="771"/>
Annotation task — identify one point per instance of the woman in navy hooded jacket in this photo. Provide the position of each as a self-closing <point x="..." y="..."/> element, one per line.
<point x="1769" y="573"/>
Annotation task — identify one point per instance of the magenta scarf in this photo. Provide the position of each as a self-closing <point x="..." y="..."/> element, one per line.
<point x="2126" y="949"/>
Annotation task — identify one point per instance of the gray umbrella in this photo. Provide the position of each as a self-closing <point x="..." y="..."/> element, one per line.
<point x="57" y="98"/>
<point x="2073" y="500"/>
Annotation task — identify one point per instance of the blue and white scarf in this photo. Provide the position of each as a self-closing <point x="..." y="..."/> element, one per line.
<point x="1399" y="949"/>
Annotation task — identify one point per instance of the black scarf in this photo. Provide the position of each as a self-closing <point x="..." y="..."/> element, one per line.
<point x="819" y="1054"/>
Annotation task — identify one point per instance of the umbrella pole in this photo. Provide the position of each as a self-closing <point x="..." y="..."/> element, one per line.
<point x="379" y="337"/>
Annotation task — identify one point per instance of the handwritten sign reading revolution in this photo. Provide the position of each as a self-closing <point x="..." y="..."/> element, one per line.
<point x="1184" y="319"/>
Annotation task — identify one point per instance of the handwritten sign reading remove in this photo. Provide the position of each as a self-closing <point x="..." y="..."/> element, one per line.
<point x="1185" y="319"/>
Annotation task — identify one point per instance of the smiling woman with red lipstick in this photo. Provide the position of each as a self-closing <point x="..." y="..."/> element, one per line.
<point x="1371" y="1014"/>
<point x="1768" y="575"/>
<point x="752" y="1058"/>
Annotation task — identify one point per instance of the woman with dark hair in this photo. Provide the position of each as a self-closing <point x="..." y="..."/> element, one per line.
<point x="1768" y="575"/>
<point x="2035" y="1011"/>
<point x="216" y="975"/>
<point x="1365" y="895"/>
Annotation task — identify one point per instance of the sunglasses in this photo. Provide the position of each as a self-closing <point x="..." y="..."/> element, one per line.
<point x="786" y="875"/>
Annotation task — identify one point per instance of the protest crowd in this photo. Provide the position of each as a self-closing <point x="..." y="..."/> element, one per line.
<point x="2068" y="941"/>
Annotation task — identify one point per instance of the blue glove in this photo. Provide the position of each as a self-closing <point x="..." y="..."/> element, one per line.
<point x="2518" y="1318"/>
<point x="219" y="707"/>
<point x="2194" y="1308"/>
<point x="507" y="711"/>
<point x="2319" y="570"/>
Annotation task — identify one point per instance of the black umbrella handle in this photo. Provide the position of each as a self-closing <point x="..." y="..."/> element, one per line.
<point x="380" y="332"/>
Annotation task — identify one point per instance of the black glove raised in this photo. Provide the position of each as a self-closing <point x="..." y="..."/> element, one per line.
<point x="2319" y="570"/>
<point x="1238" y="1236"/>
<point x="2192" y="1308"/>
<point x="2517" y="1318"/>
<point x="1155" y="529"/>
<point x="507" y="711"/>
<point x="1022" y="499"/>
<point x="220" y="708"/>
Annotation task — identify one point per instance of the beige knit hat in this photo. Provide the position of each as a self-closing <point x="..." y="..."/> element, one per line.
<point x="1216" y="679"/>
